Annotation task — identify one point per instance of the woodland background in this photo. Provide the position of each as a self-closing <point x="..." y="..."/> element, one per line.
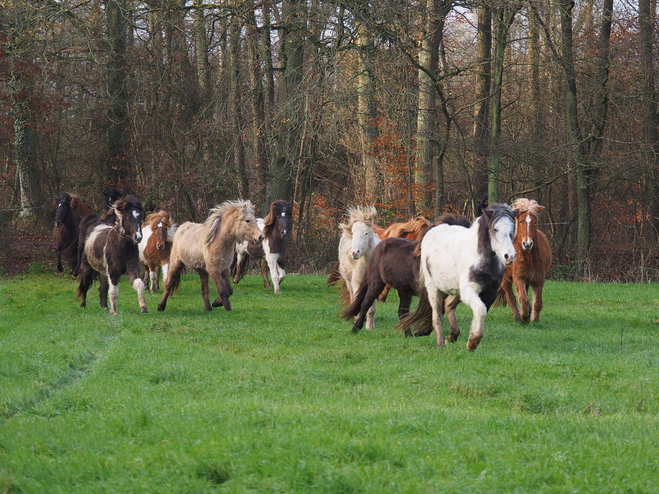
<point x="419" y="107"/>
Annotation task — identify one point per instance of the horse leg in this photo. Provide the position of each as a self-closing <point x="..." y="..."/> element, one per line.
<point x="522" y="289"/>
<point x="469" y="296"/>
<point x="224" y="289"/>
<point x="114" y="292"/>
<point x="368" y="303"/>
<point x="205" y="290"/>
<point x="385" y="294"/>
<point x="265" y="265"/>
<point x="165" y="271"/>
<point x="173" y="279"/>
<point x="537" y="300"/>
<point x="450" y="304"/>
<point x="154" y="275"/>
<point x="86" y="279"/>
<point x="507" y="287"/>
<point x="405" y="300"/>
<point x="436" y="299"/>
<point x="274" y="270"/>
<point x="103" y="291"/>
<point x="58" y="253"/>
<point x="241" y="265"/>
<point x="133" y="271"/>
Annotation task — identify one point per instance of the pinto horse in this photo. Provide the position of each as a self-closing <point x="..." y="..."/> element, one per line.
<point x="358" y="239"/>
<point x="464" y="263"/>
<point x="209" y="248"/>
<point x="155" y="247"/>
<point x="530" y="268"/>
<point x="111" y="250"/>
<point x="273" y="251"/>
<point x="66" y="231"/>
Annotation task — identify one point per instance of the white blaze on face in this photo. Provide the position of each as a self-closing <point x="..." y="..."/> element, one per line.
<point x="502" y="240"/>
<point x="160" y="224"/>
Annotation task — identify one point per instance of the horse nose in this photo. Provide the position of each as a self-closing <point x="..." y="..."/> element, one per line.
<point x="284" y="233"/>
<point x="527" y="245"/>
<point x="58" y="223"/>
<point x="261" y="237"/>
<point x="509" y="259"/>
<point x="161" y="246"/>
<point x="138" y="236"/>
<point x="356" y="254"/>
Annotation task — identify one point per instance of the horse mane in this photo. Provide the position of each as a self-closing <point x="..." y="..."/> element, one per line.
<point x="530" y="205"/>
<point x="365" y="214"/>
<point x="213" y="223"/>
<point x="120" y="206"/>
<point x="445" y="219"/>
<point x="64" y="196"/>
<point x="492" y="214"/>
<point x="276" y="208"/>
<point x="415" y="226"/>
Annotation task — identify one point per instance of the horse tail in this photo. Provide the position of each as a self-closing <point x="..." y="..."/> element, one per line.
<point x="419" y="321"/>
<point x="335" y="275"/>
<point x="355" y="306"/>
<point x="500" y="301"/>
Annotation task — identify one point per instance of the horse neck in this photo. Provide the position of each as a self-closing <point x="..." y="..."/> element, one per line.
<point x="72" y="222"/>
<point x="482" y="234"/>
<point x="276" y="243"/>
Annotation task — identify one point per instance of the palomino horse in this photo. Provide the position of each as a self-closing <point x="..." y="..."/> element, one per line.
<point x="111" y="250"/>
<point x="465" y="263"/>
<point x="155" y="247"/>
<point x="530" y="268"/>
<point x="358" y="239"/>
<point x="273" y="250"/>
<point x="66" y="230"/>
<point x="413" y="230"/>
<point x="395" y="263"/>
<point x="209" y="248"/>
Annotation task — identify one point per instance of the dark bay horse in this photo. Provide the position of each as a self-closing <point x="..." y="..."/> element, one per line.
<point x="274" y="249"/>
<point x="530" y="268"/>
<point x="66" y="231"/>
<point x="111" y="250"/>
<point x="465" y="263"/>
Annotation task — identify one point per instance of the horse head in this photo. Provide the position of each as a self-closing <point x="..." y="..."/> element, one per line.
<point x="244" y="223"/>
<point x="111" y="196"/>
<point x="501" y="227"/>
<point x="360" y="230"/>
<point x="527" y="221"/>
<point x="160" y="224"/>
<point x="279" y="219"/>
<point x="129" y="213"/>
<point x="63" y="202"/>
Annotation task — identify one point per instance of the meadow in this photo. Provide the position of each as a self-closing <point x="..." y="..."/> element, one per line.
<point x="279" y="396"/>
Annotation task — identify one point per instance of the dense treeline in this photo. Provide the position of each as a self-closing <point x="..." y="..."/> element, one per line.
<point x="418" y="107"/>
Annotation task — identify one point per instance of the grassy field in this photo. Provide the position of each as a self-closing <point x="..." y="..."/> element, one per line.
<point x="278" y="396"/>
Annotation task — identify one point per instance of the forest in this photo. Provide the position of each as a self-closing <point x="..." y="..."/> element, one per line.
<point x="417" y="107"/>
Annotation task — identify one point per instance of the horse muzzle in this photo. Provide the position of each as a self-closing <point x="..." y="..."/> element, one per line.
<point x="508" y="259"/>
<point x="259" y="240"/>
<point x="160" y="246"/>
<point x="356" y="255"/>
<point x="58" y="223"/>
<point x="527" y="246"/>
<point x="138" y="238"/>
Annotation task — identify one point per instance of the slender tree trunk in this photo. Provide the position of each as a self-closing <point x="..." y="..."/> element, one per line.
<point x="201" y="50"/>
<point x="267" y="57"/>
<point x="373" y="181"/>
<point x="119" y="167"/>
<point x="534" y="65"/>
<point x="235" y="107"/>
<point x="482" y="106"/>
<point x="25" y="151"/>
<point x="503" y="19"/>
<point x="647" y="16"/>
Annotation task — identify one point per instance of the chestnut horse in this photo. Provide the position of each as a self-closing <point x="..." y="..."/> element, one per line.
<point x="110" y="251"/>
<point x="274" y="249"/>
<point x="155" y="247"/>
<point x="209" y="248"/>
<point x="530" y="268"/>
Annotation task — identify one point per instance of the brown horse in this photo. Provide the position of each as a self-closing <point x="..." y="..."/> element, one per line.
<point x="209" y="248"/>
<point x="66" y="231"/>
<point x="155" y="247"/>
<point x="412" y="230"/>
<point x="530" y="268"/>
<point x="110" y="251"/>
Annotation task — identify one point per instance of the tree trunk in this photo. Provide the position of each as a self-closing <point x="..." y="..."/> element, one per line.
<point x="504" y="18"/>
<point x="482" y="106"/>
<point x="650" y="98"/>
<point x="201" y="50"/>
<point x="119" y="166"/>
<point x="235" y="108"/>
<point x="367" y="112"/>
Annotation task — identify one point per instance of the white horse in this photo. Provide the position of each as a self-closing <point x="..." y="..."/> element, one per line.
<point x="358" y="240"/>
<point x="463" y="264"/>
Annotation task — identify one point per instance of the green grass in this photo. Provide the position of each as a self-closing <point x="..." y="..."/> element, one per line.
<point x="278" y="396"/>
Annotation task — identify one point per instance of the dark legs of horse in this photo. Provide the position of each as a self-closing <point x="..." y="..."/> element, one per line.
<point x="450" y="304"/>
<point x="240" y="266"/>
<point x="205" y="290"/>
<point x="522" y="289"/>
<point x="384" y="294"/>
<point x="375" y="287"/>
<point x="86" y="279"/>
<point x="224" y="289"/>
<point x="507" y="287"/>
<point x="537" y="301"/>
<point x="103" y="291"/>
<point x="264" y="273"/>
<point x="173" y="279"/>
<point x="405" y="300"/>
<point x="58" y="253"/>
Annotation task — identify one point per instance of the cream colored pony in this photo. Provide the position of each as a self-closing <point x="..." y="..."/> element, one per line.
<point x="209" y="248"/>
<point x="357" y="242"/>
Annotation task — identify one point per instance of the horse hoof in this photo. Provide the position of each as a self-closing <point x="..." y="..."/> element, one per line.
<point x="408" y="334"/>
<point x="355" y="329"/>
<point x="143" y="310"/>
<point x="113" y="313"/>
<point x="161" y="308"/>
<point x="217" y="303"/>
<point x="471" y="346"/>
<point x="278" y="292"/>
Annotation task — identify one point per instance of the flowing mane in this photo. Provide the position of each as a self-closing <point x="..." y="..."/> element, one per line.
<point x="162" y="217"/>
<point x="213" y="223"/>
<point x="357" y="214"/>
<point x="530" y="205"/>
<point x="276" y="209"/>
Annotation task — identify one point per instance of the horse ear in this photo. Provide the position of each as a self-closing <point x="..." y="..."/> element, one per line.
<point x="541" y="209"/>
<point x="488" y="212"/>
<point x="515" y="213"/>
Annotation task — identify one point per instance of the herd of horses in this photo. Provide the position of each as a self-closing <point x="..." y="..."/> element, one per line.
<point x="443" y="263"/>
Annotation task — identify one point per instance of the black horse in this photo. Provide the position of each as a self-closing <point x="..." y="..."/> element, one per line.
<point x="66" y="232"/>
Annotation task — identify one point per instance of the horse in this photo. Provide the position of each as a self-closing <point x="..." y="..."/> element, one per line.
<point x="413" y="230"/>
<point x="530" y="269"/>
<point x="209" y="248"/>
<point x="66" y="230"/>
<point x="358" y="239"/>
<point x="155" y="247"/>
<point x="465" y="263"/>
<point x="274" y="249"/>
<point x="111" y="250"/>
<point x="394" y="262"/>
<point x="111" y="195"/>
